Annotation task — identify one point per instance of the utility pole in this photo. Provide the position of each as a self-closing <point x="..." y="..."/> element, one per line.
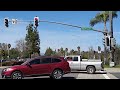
<point x="105" y="47"/>
<point x="111" y="36"/>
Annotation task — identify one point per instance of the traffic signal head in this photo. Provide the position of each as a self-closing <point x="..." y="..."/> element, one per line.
<point x="107" y="41"/>
<point x="103" y="40"/>
<point x="36" y="21"/>
<point x="6" y="22"/>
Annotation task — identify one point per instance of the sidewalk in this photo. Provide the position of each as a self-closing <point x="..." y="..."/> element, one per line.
<point x="4" y="66"/>
<point x="112" y="69"/>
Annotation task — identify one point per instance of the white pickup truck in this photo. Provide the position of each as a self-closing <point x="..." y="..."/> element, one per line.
<point x="89" y="65"/>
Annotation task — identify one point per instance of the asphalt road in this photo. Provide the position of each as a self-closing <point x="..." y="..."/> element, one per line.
<point x="108" y="74"/>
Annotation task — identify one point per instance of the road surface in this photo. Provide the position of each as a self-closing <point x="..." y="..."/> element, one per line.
<point x="110" y="73"/>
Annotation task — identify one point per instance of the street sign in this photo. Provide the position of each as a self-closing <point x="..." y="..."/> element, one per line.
<point x="14" y="21"/>
<point x="113" y="42"/>
<point x="87" y="28"/>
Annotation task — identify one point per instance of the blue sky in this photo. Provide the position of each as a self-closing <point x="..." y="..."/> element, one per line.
<point x="54" y="35"/>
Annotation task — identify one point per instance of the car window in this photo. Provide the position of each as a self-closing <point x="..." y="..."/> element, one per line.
<point x="54" y="60"/>
<point x="69" y="58"/>
<point x="75" y="58"/>
<point x="35" y="61"/>
<point x="45" y="60"/>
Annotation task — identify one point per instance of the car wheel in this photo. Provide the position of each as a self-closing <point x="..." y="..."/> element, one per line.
<point x="90" y="69"/>
<point x="16" y="75"/>
<point x="57" y="74"/>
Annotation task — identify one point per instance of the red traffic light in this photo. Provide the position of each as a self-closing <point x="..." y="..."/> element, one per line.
<point x="36" y="21"/>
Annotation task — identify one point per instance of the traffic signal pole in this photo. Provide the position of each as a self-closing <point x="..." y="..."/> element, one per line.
<point x="111" y="36"/>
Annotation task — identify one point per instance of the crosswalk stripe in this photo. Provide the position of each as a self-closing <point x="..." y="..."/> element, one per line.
<point x="106" y="76"/>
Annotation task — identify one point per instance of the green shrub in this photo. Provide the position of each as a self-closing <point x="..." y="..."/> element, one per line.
<point x="7" y="63"/>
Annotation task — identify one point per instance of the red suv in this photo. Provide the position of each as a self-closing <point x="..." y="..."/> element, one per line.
<point x="55" y="67"/>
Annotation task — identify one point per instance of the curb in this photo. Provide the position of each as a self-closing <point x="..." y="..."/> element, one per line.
<point x="4" y="66"/>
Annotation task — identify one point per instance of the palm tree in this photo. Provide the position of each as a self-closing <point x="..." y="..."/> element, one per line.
<point x="78" y="50"/>
<point x="66" y="51"/>
<point x="102" y="17"/>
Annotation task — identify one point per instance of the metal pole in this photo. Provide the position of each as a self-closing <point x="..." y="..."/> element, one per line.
<point x="105" y="53"/>
<point x="8" y="51"/>
<point x="111" y="36"/>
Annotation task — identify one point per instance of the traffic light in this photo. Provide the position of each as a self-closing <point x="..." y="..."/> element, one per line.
<point x="36" y="21"/>
<point x="6" y="22"/>
<point x="107" y="41"/>
<point x="103" y="40"/>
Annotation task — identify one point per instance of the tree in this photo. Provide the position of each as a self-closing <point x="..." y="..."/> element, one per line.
<point x="91" y="54"/>
<point x="117" y="54"/>
<point x="3" y="46"/>
<point x="62" y="51"/>
<point x="66" y="51"/>
<point x="20" y="45"/>
<point x="71" y="52"/>
<point x="49" y="52"/>
<point x="32" y="40"/>
<point x="102" y="17"/>
<point x="14" y="53"/>
<point x="78" y="50"/>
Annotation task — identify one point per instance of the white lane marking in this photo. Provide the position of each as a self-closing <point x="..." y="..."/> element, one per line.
<point x="106" y="76"/>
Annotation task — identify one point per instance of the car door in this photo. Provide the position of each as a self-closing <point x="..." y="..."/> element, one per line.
<point x="31" y="67"/>
<point x="73" y="63"/>
<point x="35" y="66"/>
<point x="45" y="65"/>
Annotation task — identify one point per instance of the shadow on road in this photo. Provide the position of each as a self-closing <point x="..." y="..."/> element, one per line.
<point x="85" y="72"/>
<point x="116" y="74"/>
<point x="53" y="79"/>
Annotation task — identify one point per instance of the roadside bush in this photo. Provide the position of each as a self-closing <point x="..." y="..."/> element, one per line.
<point x="7" y="63"/>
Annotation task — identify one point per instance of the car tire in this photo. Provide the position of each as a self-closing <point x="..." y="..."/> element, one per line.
<point x="90" y="69"/>
<point x="16" y="75"/>
<point x="57" y="74"/>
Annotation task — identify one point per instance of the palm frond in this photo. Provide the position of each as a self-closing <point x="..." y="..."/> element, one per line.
<point x="93" y="22"/>
<point x="114" y="13"/>
<point x="102" y="17"/>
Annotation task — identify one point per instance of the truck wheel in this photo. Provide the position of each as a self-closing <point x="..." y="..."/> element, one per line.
<point x="57" y="74"/>
<point x="90" y="69"/>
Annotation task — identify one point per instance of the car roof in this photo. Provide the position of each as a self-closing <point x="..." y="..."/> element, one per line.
<point x="61" y="58"/>
<point x="46" y="57"/>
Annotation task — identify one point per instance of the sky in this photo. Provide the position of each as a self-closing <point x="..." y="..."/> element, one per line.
<point x="55" y="35"/>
